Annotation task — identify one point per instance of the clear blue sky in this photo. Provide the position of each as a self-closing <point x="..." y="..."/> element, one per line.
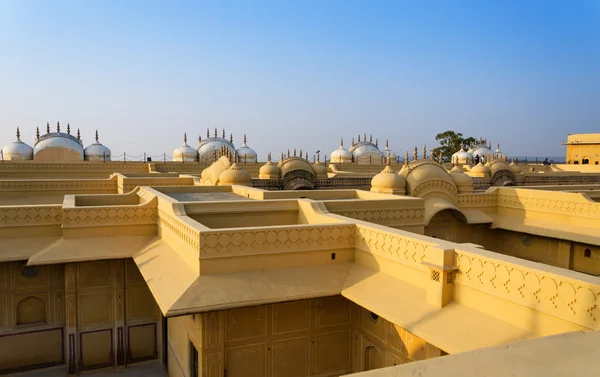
<point x="302" y="73"/>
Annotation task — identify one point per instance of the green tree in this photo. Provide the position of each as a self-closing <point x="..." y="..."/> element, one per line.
<point x="450" y="142"/>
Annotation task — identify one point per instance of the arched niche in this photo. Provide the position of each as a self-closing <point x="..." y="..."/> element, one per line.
<point x="31" y="310"/>
<point x="372" y="359"/>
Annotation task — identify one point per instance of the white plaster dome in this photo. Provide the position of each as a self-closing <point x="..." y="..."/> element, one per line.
<point x="482" y="149"/>
<point x="185" y="152"/>
<point x="341" y="155"/>
<point x="96" y="151"/>
<point x="210" y="146"/>
<point x="17" y="150"/>
<point x="462" y="157"/>
<point x="246" y="154"/>
<point x="366" y="153"/>
<point x="60" y="141"/>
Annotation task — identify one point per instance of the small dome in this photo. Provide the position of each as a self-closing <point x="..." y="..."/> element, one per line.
<point x="58" y="146"/>
<point x="96" y="151"/>
<point x="235" y="176"/>
<point x="341" y="155"/>
<point x="498" y="165"/>
<point x="246" y="154"/>
<point x="18" y="150"/>
<point x="462" y="157"/>
<point x="210" y="146"/>
<point x="514" y="167"/>
<point x="480" y="169"/>
<point x="366" y="153"/>
<point x="463" y="182"/>
<point x="269" y="170"/>
<point x="388" y="182"/>
<point x="320" y="170"/>
<point x="185" y="152"/>
<point x="387" y="152"/>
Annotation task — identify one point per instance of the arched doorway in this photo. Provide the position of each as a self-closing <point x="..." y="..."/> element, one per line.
<point x="449" y="225"/>
<point x="372" y="359"/>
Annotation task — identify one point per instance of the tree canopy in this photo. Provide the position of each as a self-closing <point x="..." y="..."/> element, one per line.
<point x="450" y="142"/>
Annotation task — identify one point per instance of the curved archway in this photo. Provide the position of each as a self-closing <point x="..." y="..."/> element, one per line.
<point x="372" y="359"/>
<point x="298" y="180"/>
<point x="31" y="310"/>
<point x="447" y="224"/>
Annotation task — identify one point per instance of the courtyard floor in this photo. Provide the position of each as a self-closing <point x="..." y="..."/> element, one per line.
<point x="149" y="369"/>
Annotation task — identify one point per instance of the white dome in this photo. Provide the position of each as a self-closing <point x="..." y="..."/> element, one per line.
<point x="341" y="155"/>
<point x="185" y="152"/>
<point x="483" y="151"/>
<point x="498" y="154"/>
<point x="366" y="153"/>
<point x="17" y="151"/>
<point x="96" y="151"/>
<point x="58" y="140"/>
<point x="208" y="147"/>
<point x="462" y="157"/>
<point x="246" y="154"/>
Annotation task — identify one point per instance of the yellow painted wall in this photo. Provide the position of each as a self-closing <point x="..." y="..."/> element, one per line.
<point x="576" y="153"/>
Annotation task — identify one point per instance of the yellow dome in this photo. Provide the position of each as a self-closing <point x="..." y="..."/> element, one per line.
<point x="235" y="176"/>
<point x="463" y="182"/>
<point x="480" y="169"/>
<point x="514" y="167"/>
<point x="388" y="182"/>
<point x="320" y="170"/>
<point x="427" y="177"/>
<point x="269" y="170"/>
<point x="294" y="163"/>
<point x="497" y="165"/>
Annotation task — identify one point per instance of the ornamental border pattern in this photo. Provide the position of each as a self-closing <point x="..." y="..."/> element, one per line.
<point x="477" y="200"/>
<point x="58" y="184"/>
<point x="105" y="166"/>
<point x="38" y="215"/>
<point x="569" y="299"/>
<point x="433" y="185"/>
<point x="409" y="216"/>
<point x="117" y="215"/>
<point x="185" y="232"/>
<point x="274" y="240"/>
<point x="405" y="250"/>
<point x="527" y="201"/>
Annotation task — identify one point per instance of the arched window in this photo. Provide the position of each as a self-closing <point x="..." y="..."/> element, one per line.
<point x="587" y="253"/>
<point x="372" y="359"/>
<point x="31" y="310"/>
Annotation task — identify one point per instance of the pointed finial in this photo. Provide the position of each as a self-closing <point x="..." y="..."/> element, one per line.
<point x="359" y="138"/>
<point x="244" y="139"/>
<point x="231" y="138"/>
<point x="371" y="138"/>
<point x="424" y="152"/>
<point x="207" y="133"/>
<point x="431" y="156"/>
<point x="352" y="140"/>
<point x="377" y="142"/>
<point x="318" y="157"/>
<point x="498" y="146"/>
<point x="68" y="128"/>
<point x="415" y="156"/>
<point x="18" y="134"/>
<point x="294" y="152"/>
<point x="387" y="160"/>
<point x="306" y="158"/>
<point x="37" y="133"/>
<point x="78" y="135"/>
<point x="282" y="158"/>
<point x="199" y="139"/>
<point x="57" y="126"/>
<point x="441" y="159"/>
<point x="365" y="137"/>
<point x="96" y="135"/>
<point x="406" y="159"/>
<point x="288" y="152"/>
<point x="269" y="157"/>
<point x="47" y="127"/>
<point x="184" y="138"/>
<point x="386" y="144"/>
<point x="223" y="133"/>
<point x="301" y="154"/>
<point x="341" y="142"/>
<point x="216" y="132"/>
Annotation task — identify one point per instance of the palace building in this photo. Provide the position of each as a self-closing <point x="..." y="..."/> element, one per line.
<point x="215" y="264"/>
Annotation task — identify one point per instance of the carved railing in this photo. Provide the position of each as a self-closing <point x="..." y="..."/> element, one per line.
<point x="407" y="216"/>
<point x="187" y="233"/>
<point x="393" y="244"/>
<point x="521" y="282"/>
<point x="559" y="203"/>
<point x="229" y="242"/>
<point x="30" y="215"/>
<point x="58" y="184"/>
<point x="478" y="200"/>
<point x="140" y="214"/>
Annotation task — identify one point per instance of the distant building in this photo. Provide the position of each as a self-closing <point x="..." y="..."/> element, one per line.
<point x="583" y="149"/>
